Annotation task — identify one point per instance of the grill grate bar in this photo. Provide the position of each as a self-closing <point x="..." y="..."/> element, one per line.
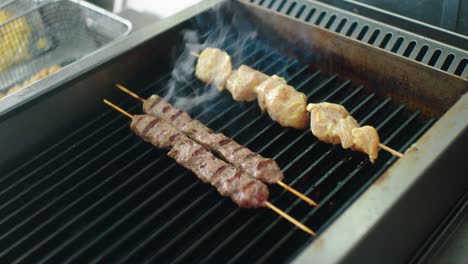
<point x="159" y="229"/>
<point x="53" y="186"/>
<point x="127" y="198"/>
<point x="402" y="126"/>
<point x="52" y="202"/>
<point x="142" y="205"/>
<point x="375" y="110"/>
<point x="15" y="198"/>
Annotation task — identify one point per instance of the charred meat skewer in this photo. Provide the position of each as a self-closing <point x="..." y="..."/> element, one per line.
<point x="228" y="180"/>
<point x="260" y="168"/>
<point x="263" y="169"/>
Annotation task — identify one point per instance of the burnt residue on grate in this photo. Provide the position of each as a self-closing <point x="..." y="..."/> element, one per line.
<point x="102" y="195"/>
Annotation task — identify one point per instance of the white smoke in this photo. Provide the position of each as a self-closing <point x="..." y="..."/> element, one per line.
<point x="219" y="30"/>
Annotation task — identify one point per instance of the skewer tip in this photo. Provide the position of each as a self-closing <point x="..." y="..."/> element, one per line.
<point x="195" y="53"/>
<point x="127" y="91"/>
<point x="290" y="219"/>
<point x="107" y="102"/>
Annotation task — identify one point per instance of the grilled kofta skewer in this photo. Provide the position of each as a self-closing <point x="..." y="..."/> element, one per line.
<point x="228" y="180"/>
<point x="261" y="168"/>
<point x="258" y="167"/>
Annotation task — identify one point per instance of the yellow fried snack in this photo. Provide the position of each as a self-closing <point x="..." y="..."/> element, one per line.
<point x="14" y="40"/>
<point x="36" y="77"/>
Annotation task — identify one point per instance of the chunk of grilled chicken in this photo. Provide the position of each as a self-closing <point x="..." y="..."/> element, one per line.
<point x="331" y="123"/>
<point x="287" y="106"/>
<point x="344" y="129"/>
<point x="214" y="66"/>
<point x="243" y="83"/>
<point x="324" y="119"/>
<point x="265" y="87"/>
<point x="366" y="139"/>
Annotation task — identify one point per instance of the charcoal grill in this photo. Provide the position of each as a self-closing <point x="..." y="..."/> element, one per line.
<point x="78" y="186"/>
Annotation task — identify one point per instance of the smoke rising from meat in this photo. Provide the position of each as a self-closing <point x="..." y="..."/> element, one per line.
<point x="213" y="29"/>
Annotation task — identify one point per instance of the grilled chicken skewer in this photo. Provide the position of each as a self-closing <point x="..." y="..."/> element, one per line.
<point x="228" y="180"/>
<point x="260" y="168"/>
<point x="287" y="106"/>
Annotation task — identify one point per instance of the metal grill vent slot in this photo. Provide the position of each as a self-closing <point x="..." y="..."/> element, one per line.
<point x="432" y="53"/>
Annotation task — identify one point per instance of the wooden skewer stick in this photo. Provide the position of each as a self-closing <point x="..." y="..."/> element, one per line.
<point x="266" y="203"/>
<point x="125" y="113"/>
<point x="290" y="219"/>
<point x="127" y="91"/>
<point x="386" y="148"/>
<point x="282" y="184"/>
<point x="297" y="193"/>
<point x="392" y="151"/>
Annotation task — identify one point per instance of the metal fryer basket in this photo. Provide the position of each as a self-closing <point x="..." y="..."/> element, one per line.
<point x="15" y="8"/>
<point x="51" y="33"/>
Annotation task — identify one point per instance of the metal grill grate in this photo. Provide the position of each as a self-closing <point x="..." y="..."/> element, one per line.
<point x="102" y="195"/>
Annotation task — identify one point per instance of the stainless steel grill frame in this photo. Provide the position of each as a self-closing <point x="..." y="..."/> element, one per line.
<point x="416" y="47"/>
<point x="359" y="232"/>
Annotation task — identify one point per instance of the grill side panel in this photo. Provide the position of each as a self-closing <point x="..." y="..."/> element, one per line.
<point x="396" y="40"/>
